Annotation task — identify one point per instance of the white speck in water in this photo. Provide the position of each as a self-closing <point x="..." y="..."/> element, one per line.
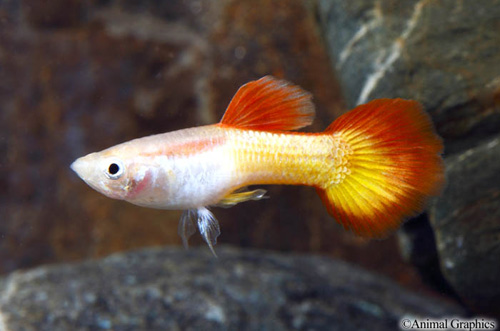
<point x="240" y="52"/>
<point x="239" y="270"/>
<point x="449" y="264"/>
<point x="215" y="313"/>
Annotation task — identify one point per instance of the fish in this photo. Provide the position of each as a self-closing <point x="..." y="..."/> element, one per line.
<point x="373" y="167"/>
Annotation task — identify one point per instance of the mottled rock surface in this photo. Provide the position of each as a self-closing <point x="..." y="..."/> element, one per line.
<point x="173" y="289"/>
<point x="466" y="220"/>
<point x="436" y="52"/>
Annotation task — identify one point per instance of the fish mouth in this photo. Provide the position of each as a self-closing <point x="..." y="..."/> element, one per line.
<point x="85" y="169"/>
<point x="79" y="166"/>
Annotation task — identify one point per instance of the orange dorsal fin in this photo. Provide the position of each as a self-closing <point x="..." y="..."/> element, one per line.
<point x="269" y="104"/>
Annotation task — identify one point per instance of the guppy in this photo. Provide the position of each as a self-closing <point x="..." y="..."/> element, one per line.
<point x="372" y="167"/>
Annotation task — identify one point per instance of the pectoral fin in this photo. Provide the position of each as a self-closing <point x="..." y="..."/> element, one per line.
<point x="237" y="197"/>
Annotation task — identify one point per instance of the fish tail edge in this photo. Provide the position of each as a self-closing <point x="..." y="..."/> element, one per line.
<point x="393" y="165"/>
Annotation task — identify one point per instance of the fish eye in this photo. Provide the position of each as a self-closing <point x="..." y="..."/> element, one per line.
<point x="115" y="169"/>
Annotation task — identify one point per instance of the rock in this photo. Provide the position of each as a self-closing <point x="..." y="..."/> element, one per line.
<point x="435" y="52"/>
<point x="417" y="246"/>
<point x="174" y="289"/>
<point x="466" y="221"/>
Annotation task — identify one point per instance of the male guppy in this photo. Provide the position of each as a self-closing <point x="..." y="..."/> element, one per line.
<point x="372" y="167"/>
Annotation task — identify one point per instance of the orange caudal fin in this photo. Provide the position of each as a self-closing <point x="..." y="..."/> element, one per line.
<point x="392" y="162"/>
<point x="270" y="104"/>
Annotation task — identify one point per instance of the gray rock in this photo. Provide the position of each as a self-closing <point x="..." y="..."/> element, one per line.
<point x="466" y="221"/>
<point x="173" y="289"/>
<point x="442" y="53"/>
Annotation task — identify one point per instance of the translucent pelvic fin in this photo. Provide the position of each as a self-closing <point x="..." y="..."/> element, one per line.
<point x="209" y="227"/>
<point x="207" y="224"/>
<point x="186" y="226"/>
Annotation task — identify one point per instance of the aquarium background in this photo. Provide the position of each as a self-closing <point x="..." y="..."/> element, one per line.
<point x="80" y="76"/>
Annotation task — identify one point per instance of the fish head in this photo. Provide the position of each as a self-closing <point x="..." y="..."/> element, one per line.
<point x="107" y="173"/>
